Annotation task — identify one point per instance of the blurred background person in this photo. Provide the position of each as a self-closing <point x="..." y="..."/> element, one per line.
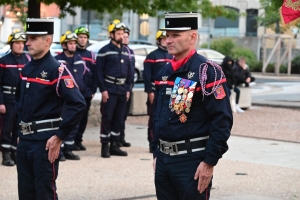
<point x="227" y="67"/>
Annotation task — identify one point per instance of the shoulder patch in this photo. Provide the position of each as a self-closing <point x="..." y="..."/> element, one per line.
<point x="69" y="83"/>
<point x="219" y="92"/>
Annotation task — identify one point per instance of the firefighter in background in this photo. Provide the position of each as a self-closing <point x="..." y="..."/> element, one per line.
<point x="132" y="62"/>
<point x="77" y="68"/>
<point x="153" y="63"/>
<point x="83" y="36"/>
<point x="114" y="78"/>
<point x="10" y="67"/>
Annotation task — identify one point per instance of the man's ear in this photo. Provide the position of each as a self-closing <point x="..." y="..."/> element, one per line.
<point x="193" y="36"/>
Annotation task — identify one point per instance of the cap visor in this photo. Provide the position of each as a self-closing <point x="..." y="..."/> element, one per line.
<point x="176" y="29"/>
<point x="36" y="33"/>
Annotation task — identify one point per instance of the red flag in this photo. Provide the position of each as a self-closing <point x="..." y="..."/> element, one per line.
<point x="290" y="13"/>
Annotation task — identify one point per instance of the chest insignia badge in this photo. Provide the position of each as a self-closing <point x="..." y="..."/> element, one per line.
<point x="44" y="74"/>
<point x="164" y="78"/>
<point x="190" y="75"/>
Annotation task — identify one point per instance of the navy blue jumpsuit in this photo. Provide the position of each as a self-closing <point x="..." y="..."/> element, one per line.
<point x="114" y="75"/>
<point x="128" y="103"/>
<point x="202" y="132"/>
<point x="10" y="67"/>
<point x="90" y="61"/>
<point x="153" y="63"/>
<point x="79" y="71"/>
<point x="40" y="97"/>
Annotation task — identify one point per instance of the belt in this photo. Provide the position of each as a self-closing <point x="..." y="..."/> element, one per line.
<point x="40" y="126"/>
<point x="9" y="90"/>
<point x="183" y="146"/>
<point x="113" y="80"/>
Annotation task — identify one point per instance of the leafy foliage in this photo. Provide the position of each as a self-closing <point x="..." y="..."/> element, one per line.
<point x="152" y="7"/>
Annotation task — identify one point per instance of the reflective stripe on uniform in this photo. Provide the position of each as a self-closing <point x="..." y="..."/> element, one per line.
<point x="79" y="62"/>
<point x="69" y="142"/>
<point x="114" y="134"/>
<point x="6" y="146"/>
<point x="104" y="136"/>
<point x="108" y="53"/>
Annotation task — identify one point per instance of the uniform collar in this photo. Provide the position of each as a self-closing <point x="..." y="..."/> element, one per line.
<point x="40" y="60"/>
<point x="177" y="64"/>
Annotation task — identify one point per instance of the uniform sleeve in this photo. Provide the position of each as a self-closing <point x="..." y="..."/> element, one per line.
<point x="76" y="106"/>
<point x="93" y="67"/>
<point x="220" y="115"/>
<point x="130" y="77"/>
<point x="100" y="68"/>
<point x="147" y="75"/>
<point x="155" y="143"/>
<point x="1" y="80"/>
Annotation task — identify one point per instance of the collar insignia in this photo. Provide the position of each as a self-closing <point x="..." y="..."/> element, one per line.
<point x="164" y="78"/>
<point x="44" y="74"/>
<point x="190" y="75"/>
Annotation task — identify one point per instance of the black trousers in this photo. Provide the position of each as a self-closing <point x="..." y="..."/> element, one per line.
<point x="83" y="121"/>
<point x="128" y="103"/>
<point x="9" y="128"/>
<point x="112" y="118"/>
<point x="70" y="138"/>
<point x="174" y="177"/>
<point x="150" y="111"/>
<point x="36" y="175"/>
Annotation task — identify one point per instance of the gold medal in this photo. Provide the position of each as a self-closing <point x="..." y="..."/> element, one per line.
<point x="184" y="96"/>
<point x="187" y="110"/>
<point x="180" y="90"/>
<point x="185" y="91"/>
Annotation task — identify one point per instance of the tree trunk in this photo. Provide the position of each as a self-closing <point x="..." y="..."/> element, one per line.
<point x="34" y="9"/>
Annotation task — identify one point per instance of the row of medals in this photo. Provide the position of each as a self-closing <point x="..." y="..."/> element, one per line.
<point x="181" y="100"/>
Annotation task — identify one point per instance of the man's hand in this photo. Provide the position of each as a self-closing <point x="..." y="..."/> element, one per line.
<point x="105" y="96"/>
<point x="2" y="109"/>
<point x="203" y="174"/>
<point x="53" y="145"/>
<point x="151" y="97"/>
<point x="248" y="80"/>
<point x="154" y="165"/>
<point x="127" y="96"/>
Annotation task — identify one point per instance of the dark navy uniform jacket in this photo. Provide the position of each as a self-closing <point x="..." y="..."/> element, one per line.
<point x="90" y="62"/>
<point x="153" y="63"/>
<point x="208" y="116"/>
<point x="77" y="67"/>
<point x="132" y="61"/>
<point x="38" y="99"/>
<point x="10" y="67"/>
<point x="113" y="61"/>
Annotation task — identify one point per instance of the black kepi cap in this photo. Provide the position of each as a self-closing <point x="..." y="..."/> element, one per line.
<point x="181" y="21"/>
<point x="39" y="26"/>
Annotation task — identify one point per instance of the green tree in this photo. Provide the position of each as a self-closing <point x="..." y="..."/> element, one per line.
<point x="152" y="7"/>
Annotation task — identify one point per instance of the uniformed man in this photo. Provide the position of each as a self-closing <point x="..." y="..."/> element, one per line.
<point x="83" y="36"/>
<point x="153" y="63"/>
<point x="79" y="71"/>
<point x="43" y="88"/>
<point x="193" y="118"/>
<point x="114" y="77"/>
<point x="10" y="67"/>
<point x="128" y="103"/>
